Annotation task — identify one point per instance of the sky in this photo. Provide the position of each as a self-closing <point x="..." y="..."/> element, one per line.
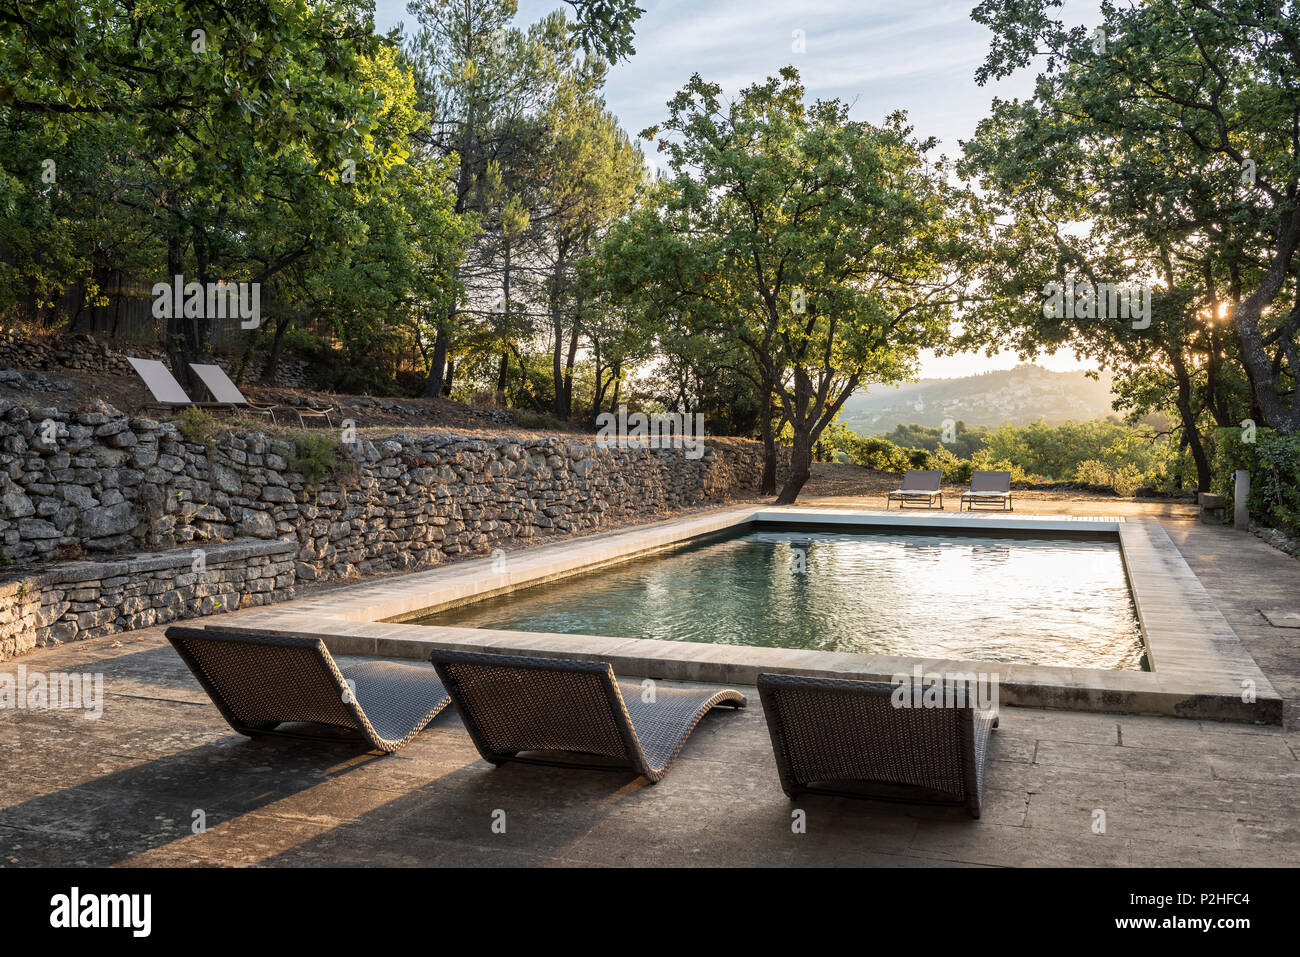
<point x="915" y="55"/>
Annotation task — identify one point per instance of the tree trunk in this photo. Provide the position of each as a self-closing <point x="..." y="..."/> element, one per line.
<point x="767" y="485"/>
<point x="568" y="371"/>
<point x="179" y="335"/>
<point x="618" y="385"/>
<point x="503" y="376"/>
<point x="438" y="362"/>
<point x="1276" y="413"/>
<point x="800" y="463"/>
<point x="272" y="368"/>
<point x="1187" y="417"/>
<point x="557" y="349"/>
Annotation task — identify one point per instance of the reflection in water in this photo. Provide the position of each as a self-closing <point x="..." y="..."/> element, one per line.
<point x="1044" y="601"/>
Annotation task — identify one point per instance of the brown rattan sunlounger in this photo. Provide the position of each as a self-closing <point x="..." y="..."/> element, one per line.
<point x="535" y="709"/>
<point x="848" y="739"/>
<point x="259" y="682"/>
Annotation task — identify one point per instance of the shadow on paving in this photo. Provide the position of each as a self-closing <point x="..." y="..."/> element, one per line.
<point x="114" y="817"/>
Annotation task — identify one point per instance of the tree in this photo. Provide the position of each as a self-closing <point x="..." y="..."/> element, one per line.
<point x="227" y="110"/>
<point x="604" y="27"/>
<point x="823" y="247"/>
<point x="1215" y="83"/>
<point x="482" y="84"/>
<point x="589" y="177"/>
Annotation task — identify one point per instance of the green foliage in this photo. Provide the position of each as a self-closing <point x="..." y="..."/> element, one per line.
<point x="1102" y="452"/>
<point x="604" y="27"/>
<point x="882" y="455"/>
<point x="966" y="441"/>
<point x="807" y="251"/>
<point x="1125" y="480"/>
<point x="1174" y="167"/>
<point x="541" y="421"/>
<point x="316" y="458"/>
<point x="271" y="143"/>
<point x="956" y="471"/>
<point x="1273" y="461"/>
<point x="196" y="425"/>
<point x="1055" y="451"/>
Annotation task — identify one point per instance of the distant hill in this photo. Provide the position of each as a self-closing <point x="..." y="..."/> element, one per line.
<point x="1016" y="396"/>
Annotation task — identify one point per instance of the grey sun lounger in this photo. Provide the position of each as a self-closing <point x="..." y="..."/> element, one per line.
<point x="988" y="490"/>
<point x="227" y="393"/>
<point x="847" y="739"/>
<point x="259" y="682"/>
<point x="164" y="388"/>
<point x="920" y="488"/>
<point x="534" y="710"/>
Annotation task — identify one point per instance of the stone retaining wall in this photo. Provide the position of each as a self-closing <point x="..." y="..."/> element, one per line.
<point x="84" y="353"/>
<point x="76" y="353"/>
<point x="90" y="599"/>
<point x="97" y="483"/>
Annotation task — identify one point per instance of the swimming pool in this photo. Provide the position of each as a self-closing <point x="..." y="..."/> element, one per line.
<point x="1047" y="600"/>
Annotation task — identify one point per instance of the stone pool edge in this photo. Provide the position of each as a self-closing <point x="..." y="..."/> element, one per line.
<point x="1200" y="667"/>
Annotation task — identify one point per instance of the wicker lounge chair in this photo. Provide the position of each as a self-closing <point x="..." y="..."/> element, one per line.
<point x="261" y="681"/>
<point x="549" y="707"/>
<point x="920" y="488"/>
<point x="228" y="394"/>
<point x="847" y="739"/>
<point x="988" y="490"/>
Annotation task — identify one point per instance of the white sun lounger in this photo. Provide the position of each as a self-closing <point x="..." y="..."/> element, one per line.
<point x="227" y="393"/>
<point x="164" y="388"/>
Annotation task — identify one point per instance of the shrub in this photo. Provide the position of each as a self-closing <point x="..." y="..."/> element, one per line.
<point x="1273" y="461"/>
<point x="984" y="460"/>
<point x="315" y="457"/>
<point x="1092" y="472"/>
<point x="956" y="471"/>
<point x="875" y="453"/>
<point x="1125" y="480"/>
<point x="196" y="425"/>
<point x="534" y="420"/>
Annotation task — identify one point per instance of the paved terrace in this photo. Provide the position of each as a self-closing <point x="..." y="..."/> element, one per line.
<point x="124" y="789"/>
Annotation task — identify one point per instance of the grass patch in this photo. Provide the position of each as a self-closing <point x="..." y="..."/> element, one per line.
<point x="533" y="420"/>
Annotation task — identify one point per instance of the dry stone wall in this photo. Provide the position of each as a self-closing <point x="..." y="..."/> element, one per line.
<point x="84" y="353"/>
<point x="94" y="487"/>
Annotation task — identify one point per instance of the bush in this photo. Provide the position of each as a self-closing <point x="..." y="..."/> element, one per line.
<point x="985" y="461"/>
<point x="1092" y="472"/>
<point x="196" y="425"/>
<point x="883" y="455"/>
<point x="1125" y="480"/>
<point x="536" y="420"/>
<point x="315" y="457"/>
<point x="956" y="471"/>
<point x="1273" y="461"/>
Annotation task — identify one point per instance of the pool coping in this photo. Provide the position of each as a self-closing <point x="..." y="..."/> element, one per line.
<point x="1200" y="668"/>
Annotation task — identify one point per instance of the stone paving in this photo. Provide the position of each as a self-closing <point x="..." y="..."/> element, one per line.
<point x="125" y="789"/>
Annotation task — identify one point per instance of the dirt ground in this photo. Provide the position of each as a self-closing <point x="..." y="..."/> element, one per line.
<point x="129" y="394"/>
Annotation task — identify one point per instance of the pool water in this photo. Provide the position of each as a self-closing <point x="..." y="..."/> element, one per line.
<point x="1037" y="600"/>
